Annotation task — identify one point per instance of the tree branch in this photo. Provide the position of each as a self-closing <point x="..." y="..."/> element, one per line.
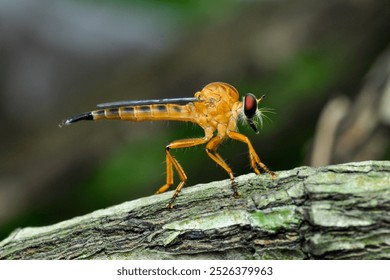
<point x="332" y="212"/>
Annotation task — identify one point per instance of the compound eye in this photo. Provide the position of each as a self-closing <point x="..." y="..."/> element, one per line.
<point x="250" y="105"/>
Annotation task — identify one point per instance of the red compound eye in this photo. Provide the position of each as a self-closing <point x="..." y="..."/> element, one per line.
<point x="250" y="105"/>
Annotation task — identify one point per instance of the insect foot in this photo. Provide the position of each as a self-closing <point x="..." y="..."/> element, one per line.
<point x="236" y="194"/>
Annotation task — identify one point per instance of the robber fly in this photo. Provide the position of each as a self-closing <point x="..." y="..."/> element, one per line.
<point x="216" y="109"/>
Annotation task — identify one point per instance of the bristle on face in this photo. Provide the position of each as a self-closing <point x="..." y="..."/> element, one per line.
<point x="84" y="116"/>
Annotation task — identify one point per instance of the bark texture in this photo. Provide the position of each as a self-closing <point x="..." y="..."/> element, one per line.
<point x="333" y="212"/>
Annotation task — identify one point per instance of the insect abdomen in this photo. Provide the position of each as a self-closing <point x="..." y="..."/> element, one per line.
<point x="153" y="112"/>
<point x="146" y="113"/>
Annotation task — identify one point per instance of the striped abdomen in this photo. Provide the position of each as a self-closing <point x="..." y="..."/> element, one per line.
<point x="170" y="112"/>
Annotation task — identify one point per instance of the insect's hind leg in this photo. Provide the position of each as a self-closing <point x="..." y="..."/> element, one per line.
<point x="172" y="162"/>
<point x="211" y="150"/>
<point x="169" y="172"/>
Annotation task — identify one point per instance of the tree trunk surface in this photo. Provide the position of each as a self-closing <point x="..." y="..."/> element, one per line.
<point x="333" y="212"/>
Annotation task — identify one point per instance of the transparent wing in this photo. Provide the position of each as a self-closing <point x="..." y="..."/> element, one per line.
<point x="179" y="101"/>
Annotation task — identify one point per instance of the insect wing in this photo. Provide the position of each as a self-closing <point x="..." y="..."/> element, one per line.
<point x="179" y="101"/>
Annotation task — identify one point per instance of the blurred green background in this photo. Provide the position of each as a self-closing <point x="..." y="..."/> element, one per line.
<point x="59" y="58"/>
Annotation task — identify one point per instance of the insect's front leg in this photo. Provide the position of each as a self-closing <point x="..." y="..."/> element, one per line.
<point x="254" y="158"/>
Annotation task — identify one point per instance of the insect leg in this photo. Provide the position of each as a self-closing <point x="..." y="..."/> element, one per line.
<point x="254" y="158"/>
<point x="169" y="172"/>
<point x="172" y="162"/>
<point x="211" y="150"/>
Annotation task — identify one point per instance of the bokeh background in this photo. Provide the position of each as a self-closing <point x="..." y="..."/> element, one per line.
<point x="324" y="66"/>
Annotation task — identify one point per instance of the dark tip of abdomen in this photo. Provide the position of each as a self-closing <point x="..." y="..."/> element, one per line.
<point x="84" y="116"/>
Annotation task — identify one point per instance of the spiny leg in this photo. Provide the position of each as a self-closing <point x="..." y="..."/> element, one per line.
<point x="254" y="158"/>
<point x="172" y="162"/>
<point x="169" y="172"/>
<point x="211" y="149"/>
<point x="182" y="176"/>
